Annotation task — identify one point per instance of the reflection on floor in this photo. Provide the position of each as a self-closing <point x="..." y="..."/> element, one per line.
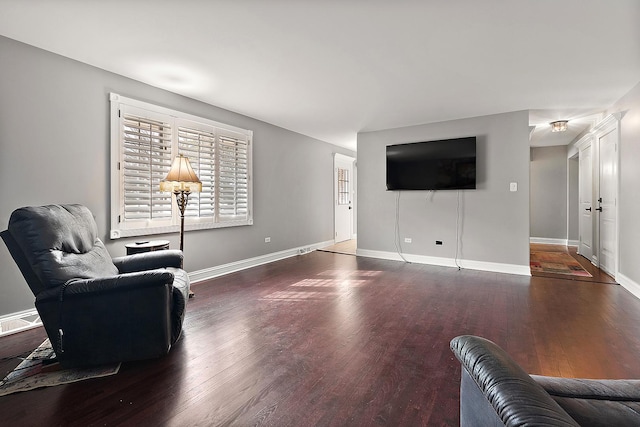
<point x="347" y="247"/>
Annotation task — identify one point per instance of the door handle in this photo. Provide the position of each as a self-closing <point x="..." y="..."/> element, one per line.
<point x="588" y="209"/>
<point x="599" y="209"/>
<point x="349" y="207"/>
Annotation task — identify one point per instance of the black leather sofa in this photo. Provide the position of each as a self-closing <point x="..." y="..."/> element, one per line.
<point x="96" y="309"/>
<point x="496" y="391"/>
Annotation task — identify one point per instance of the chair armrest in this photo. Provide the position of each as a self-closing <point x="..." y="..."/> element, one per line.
<point x="516" y="398"/>
<point x="149" y="261"/>
<point x="123" y="317"/>
<point x="113" y="284"/>
<point x="578" y="388"/>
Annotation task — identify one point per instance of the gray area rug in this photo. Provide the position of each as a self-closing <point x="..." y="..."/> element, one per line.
<point x="32" y="372"/>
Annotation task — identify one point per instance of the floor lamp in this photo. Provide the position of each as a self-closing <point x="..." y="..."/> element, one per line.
<point x="181" y="181"/>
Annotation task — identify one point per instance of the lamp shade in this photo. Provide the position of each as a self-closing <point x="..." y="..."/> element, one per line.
<point x="181" y="177"/>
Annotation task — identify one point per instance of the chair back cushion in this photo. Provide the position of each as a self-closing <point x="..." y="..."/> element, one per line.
<point x="60" y="242"/>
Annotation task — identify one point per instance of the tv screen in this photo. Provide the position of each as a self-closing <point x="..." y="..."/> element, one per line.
<point x="448" y="164"/>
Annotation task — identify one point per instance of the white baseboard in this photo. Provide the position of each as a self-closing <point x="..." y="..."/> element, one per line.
<point x="629" y="284"/>
<point x="19" y="321"/>
<point x="547" y="241"/>
<point x="574" y="243"/>
<point x="523" y="270"/>
<point x="232" y="267"/>
<point x="28" y="319"/>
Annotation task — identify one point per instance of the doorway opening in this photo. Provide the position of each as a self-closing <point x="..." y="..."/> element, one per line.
<point x="345" y="205"/>
<point x="591" y="232"/>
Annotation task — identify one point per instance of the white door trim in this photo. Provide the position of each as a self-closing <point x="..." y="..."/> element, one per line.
<point x="585" y="188"/>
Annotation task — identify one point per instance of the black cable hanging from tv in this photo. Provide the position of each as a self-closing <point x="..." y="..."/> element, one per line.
<point x="397" y="229"/>
<point x="455" y="259"/>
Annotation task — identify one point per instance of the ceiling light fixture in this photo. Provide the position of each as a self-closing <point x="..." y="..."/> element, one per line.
<point x="559" y="126"/>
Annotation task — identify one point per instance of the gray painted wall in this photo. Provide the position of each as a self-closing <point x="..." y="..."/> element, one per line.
<point x="54" y="142"/>
<point x="629" y="206"/>
<point x="495" y="221"/>
<point x="548" y="202"/>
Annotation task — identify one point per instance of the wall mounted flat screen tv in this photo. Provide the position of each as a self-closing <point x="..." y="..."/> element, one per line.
<point x="448" y="164"/>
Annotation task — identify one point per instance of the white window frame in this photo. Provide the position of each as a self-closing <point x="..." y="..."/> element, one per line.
<point x="121" y="106"/>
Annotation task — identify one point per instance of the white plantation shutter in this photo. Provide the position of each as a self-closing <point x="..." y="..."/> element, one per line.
<point x="233" y="187"/>
<point x="146" y="160"/>
<point x="145" y="140"/>
<point x="199" y="147"/>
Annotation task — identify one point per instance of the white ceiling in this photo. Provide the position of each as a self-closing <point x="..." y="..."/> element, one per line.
<point x="332" y="68"/>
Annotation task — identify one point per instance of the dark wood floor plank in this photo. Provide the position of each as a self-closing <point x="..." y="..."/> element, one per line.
<point x="327" y="339"/>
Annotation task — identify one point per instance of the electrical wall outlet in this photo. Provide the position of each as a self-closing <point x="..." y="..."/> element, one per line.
<point x="513" y="186"/>
<point x="267" y="239"/>
<point x="407" y="239"/>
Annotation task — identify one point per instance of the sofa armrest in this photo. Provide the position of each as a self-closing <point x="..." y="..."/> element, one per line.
<point x="149" y="261"/>
<point x="615" y="390"/>
<point x="516" y="398"/>
<point x="91" y="287"/>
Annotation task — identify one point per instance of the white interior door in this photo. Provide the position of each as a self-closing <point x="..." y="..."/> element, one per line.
<point x="585" y="189"/>
<point x="344" y="194"/>
<point x="607" y="202"/>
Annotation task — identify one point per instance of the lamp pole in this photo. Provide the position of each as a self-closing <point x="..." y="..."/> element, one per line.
<point x="182" y="198"/>
<point x="180" y="180"/>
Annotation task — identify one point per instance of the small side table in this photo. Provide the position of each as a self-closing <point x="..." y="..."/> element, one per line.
<point x="146" y="246"/>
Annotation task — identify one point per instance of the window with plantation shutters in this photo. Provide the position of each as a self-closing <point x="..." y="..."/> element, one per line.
<point x="145" y="161"/>
<point x="234" y="178"/>
<point x="145" y="140"/>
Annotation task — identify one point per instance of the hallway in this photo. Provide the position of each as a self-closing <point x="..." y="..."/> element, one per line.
<point x="348" y="247"/>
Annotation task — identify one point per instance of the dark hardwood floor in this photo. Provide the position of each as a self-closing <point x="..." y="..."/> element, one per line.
<point x="327" y="339"/>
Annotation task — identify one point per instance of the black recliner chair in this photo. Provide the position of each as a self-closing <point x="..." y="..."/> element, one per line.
<point x="496" y="391"/>
<point x="96" y="309"/>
